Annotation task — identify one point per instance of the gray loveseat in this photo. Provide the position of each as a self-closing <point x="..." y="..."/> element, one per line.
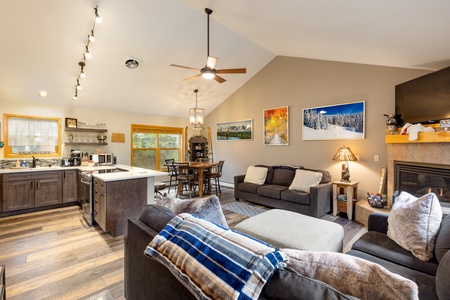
<point x="146" y="278"/>
<point x="432" y="277"/>
<point x="275" y="191"/>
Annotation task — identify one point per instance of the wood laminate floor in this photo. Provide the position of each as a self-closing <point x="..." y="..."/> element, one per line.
<point x="54" y="254"/>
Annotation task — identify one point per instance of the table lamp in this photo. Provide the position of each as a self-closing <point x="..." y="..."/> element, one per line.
<point x="345" y="154"/>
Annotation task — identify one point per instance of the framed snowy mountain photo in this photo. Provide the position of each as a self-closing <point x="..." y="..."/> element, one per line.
<point x="334" y="122"/>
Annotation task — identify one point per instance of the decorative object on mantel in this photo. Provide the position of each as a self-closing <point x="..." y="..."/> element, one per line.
<point x="87" y="54"/>
<point x="445" y="124"/>
<point x="413" y="130"/>
<point x="345" y="154"/>
<point x="376" y="201"/>
<point x="196" y="115"/>
<point x="118" y="137"/>
<point x="391" y="123"/>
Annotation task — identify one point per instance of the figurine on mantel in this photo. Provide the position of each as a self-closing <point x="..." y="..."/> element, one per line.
<point x="413" y="130"/>
<point x="391" y="123"/>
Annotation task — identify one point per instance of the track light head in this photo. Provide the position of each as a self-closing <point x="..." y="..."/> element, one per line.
<point x="91" y="37"/>
<point x="97" y="17"/>
<point x="87" y="54"/>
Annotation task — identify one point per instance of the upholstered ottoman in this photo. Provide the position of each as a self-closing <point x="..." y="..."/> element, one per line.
<point x="286" y="229"/>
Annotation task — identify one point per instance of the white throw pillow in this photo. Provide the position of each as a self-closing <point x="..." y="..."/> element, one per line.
<point x="304" y="180"/>
<point x="256" y="175"/>
<point x="352" y="275"/>
<point x="413" y="223"/>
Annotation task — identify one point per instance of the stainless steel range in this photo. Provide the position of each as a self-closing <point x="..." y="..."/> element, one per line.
<point x="86" y="193"/>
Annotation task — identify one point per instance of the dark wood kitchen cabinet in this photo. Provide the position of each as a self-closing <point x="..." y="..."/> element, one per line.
<point x="116" y="201"/>
<point x="69" y="186"/>
<point x="28" y="190"/>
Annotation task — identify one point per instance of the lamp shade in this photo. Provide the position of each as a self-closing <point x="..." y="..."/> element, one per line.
<point x="344" y="154"/>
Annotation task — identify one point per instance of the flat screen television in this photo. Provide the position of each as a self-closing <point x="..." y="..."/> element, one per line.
<point x="425" y="99"/>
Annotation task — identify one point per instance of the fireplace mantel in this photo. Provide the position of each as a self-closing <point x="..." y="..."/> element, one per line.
<point x="424" y="137"/>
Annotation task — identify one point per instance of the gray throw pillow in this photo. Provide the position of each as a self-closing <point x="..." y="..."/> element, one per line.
<point x="208" y="208"/>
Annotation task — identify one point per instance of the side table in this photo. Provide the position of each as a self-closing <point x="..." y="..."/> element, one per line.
<point x="351" y="193"/>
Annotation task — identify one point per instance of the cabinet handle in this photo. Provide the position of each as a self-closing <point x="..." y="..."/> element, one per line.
<point x="37" y="185"/>
<point x="31" y="187"/>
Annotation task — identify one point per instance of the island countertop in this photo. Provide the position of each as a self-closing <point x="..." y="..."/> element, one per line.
<point x="133" y="172"/>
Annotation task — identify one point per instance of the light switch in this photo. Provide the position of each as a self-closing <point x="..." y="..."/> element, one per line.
<point x="376" y="158"/>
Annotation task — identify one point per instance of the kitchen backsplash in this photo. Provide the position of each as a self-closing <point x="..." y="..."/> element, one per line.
<point x="41" y="162"/>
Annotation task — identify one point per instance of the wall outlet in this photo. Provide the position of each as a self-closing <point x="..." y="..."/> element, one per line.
<point x="376" y="157"/>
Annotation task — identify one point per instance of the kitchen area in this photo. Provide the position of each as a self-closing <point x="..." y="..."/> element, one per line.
<point x="86" y="174"/>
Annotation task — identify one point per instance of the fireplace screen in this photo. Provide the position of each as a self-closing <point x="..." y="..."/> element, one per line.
<point x="419" y="179"/>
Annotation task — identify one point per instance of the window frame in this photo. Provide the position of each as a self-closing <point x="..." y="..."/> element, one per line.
<point x="7" y="148"/>
<point x="157" y="130"/>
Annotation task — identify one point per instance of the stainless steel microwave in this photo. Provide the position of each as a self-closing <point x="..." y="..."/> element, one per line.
<point x="103" y="159"/>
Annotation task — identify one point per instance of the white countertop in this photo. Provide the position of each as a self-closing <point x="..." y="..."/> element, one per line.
<point x="133" y="172"/>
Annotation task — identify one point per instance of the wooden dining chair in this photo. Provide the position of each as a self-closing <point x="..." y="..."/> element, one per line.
<point x="216" y="173"/>
<point x="183" y="176"/>
<point x="171" y="171"/>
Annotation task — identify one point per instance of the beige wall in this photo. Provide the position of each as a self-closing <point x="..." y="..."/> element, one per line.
<point x="115" y="122"/>
<point x="302" y="83"/>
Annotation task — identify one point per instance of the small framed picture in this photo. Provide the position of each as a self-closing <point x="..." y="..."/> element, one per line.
<point x="71" y="123"/>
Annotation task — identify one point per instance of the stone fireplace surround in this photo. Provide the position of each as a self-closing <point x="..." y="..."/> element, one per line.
<point x="429" y="153"/>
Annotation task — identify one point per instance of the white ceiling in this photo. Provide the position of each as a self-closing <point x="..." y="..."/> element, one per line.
<point x="43" y="41"/>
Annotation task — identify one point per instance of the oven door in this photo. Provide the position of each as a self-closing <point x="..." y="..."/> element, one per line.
<point x="85" y="197"/>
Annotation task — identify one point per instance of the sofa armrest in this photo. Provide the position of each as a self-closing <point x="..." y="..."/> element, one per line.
<point x="320" y="199"/>
<point x="378" y="222"/>
<point x="237" y="179"/>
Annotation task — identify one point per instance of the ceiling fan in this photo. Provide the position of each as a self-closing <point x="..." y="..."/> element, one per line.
<point x="209" y="71"/>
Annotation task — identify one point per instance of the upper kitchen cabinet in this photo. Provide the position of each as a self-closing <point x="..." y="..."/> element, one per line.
<point x="27" y="136"/>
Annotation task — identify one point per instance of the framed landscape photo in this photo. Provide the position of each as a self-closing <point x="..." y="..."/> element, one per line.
<point x="235" y="131"/>
<point x="71" y="123"/>
<point x="334" y="122"/>
<point x="276" y="126"/>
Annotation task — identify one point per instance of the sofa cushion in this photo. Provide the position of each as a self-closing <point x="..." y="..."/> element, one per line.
<point x="287" y="284"/>
<point x="304" y="180"/>
<point x="270" y="170"/>
<point x="352" y="275"/>
<point x="414" y="223"/>
<point x="442" y="244"/>
<point x="295" y="196"/>
<point x="156" y="216"/>
<point x="442" y="276"/>
<point x="378" y="244"/>
<point x="208" y="208"/>
<point x="326" y="176"/>
<point x="282" y="176"/>
<point x="272" y="191"/>
<point x="248" y="187"/>
<point x="256" y="175"/>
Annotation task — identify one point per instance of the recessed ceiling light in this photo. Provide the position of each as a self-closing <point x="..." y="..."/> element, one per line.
<point x="131" y="63"/>
<point x="43" y="94"/>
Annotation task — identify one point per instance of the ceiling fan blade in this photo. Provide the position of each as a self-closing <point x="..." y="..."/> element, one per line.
<point x="219" y="79"/>
<point x="211" y="62"/>
<point x="232" y="71"/>
<point x="184" y="67"/>
<point x="192" y="77"/>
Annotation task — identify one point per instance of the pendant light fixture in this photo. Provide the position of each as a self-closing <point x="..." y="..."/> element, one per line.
<point x="196" y="115"/>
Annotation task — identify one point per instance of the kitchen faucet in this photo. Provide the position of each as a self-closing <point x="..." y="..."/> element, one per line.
<point x="34" y="161"/>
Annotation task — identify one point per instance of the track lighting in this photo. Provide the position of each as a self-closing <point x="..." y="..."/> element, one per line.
<point x="91" y="37"/>
<point x="86" y="54"/>
<point x="97" y="17"/>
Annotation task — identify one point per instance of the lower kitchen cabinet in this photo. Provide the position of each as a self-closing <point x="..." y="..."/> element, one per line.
<point x="28" y="190"/>
<point x="70" y="185"/>
<point x="116" y="201"/>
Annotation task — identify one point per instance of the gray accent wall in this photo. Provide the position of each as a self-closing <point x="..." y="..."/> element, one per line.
<point x="302" y="83"/>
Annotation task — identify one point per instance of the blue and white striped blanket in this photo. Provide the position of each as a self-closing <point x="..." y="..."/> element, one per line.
<point x="214" y="262"/>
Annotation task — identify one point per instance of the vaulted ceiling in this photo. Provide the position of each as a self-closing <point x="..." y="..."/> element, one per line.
<point x="43" y="41"/>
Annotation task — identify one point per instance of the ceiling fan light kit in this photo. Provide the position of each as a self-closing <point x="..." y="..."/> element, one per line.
<point x="209" y="71"/>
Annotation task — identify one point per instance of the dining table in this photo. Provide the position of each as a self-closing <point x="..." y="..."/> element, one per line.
<point x="200" y="167"/>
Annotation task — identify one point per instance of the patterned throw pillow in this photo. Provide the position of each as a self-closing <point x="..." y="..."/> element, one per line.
<point x="208" y="208"/>
<point x="304" y="180"/>
<point x="413" y="223"/>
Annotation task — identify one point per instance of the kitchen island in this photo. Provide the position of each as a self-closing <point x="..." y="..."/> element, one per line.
<point x="120" y="195"/>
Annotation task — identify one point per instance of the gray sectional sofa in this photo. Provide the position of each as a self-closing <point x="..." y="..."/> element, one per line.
<point x="275" y="191"/>
<point x="431" y="276"/>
